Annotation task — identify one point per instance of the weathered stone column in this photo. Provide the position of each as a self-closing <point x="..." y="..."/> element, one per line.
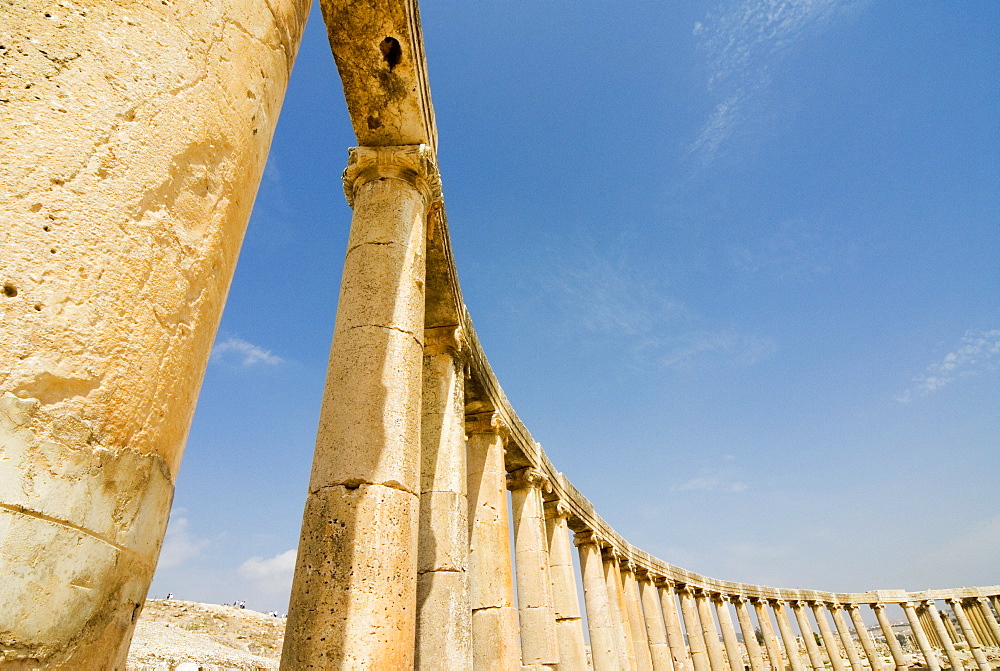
<point x="495" y="639"/>
<point x="569" y="626"/>
<point x="775" y="660"/>
<point x="733" y="652"/>
<point x="943" y="635"/>
<point x="988" y="617"/>
<point x="675" y="637"/>
<point x="656" y="632"/>
<point x="749" y="635"/>
<point x="536" y="612"/>
<point x="890" y="638"/>
<point x="812" y="650"/>
<point x="716" y="656"/>
<point x="787" y="637"/>
<point x="637" y="625"/>
<point x="970" y="636"/>
<point x="354" y="596"/>
<point x="845" y="637"/>
<point x="829" y="640"/>
<point x="918" y="633"/>
<point x="134" y="137"/>
<point x="979" y="623"/>
<point x="616" y="595"/>
<point x="444" y="616"/>
<point x="874" y="659"/>
<point x="603" y="645"/>
<point x="692" y="625"/>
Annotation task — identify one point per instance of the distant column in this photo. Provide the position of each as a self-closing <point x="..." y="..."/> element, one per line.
<point x="918" y="633"/>
<point x="775" y="660"/>
<point x="791" y="645"/>
<point x="943" y="634"/>
<point x="988" y="617"/>
<point x="733" y="651"/>
<point x="979" y="623"/>
<point x="444" y="614"/>
<point x="616" y="595"/>
<point x="603" y="646"/>
<point x="569" y="626"/>
<point x="643" y="654"/>
<point x="675" y="637"/>
<point x="531" y="565"/>
<point x="656" y="632"/>
<point x="845" y="637"/>
<point x="692" y="625"/>
<point x="829" y="640"/>
<point x="970" y="636"/>
<point x="716" y="654"/>
<point x="496" y="641"/>
<point x="749" y="634"/>
<point x="808" y="638"/>
<point x="874" y="659"/>
<point x="890" y="637"/>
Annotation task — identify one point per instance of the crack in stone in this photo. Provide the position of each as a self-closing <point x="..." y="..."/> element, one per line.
<point x="355" y="484"/>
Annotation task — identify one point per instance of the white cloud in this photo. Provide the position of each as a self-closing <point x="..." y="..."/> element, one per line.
<point x="274" y="575"/>
<point x="178" y="544"/>
<point x="973" y="355"/>
<point x="709" y="484"/>
<point x="694" y="349"/>
<point x="247" y="353"/>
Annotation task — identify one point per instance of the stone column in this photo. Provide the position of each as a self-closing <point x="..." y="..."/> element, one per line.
<point x="791" y="645"/>
<point x="845" y="638"/>
<point x="943" y="635"/>
<point x="675" y="637"/>
<point x="733" y="652"/>
<point x="829" y="640"/>
<point x="536" y="612"/>
<point x="495" y="638"/>
<point x="444" y="614"/>
<point x="134" y="137"/>
<point x="640" y="643"/>
<point x="603" y="644"/>
<point x="890" y="638"/>
<point x="812" y="650"/>
<point x="874" y="660"/>
<point x="970" y="636"/>
<point x="692" y="625"/>
<point x="616" y="595"/>
<point x="569" y="626"/>
<point x="988" y="617"/>
<point x="656" y="632"/>
<point x="354" y="596"/>
<point x="775" y="660"/>
<point x="716" y="655"/>
<point x="979" y="624"/>
<point x="749" y="634"/>
<point x="918" y="633"/>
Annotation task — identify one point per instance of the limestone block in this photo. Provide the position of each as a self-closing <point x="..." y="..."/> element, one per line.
<point x="442" y="599"/>
<point x="443" y="451"/>
<point x="495" y="639"/>
<point x="443" y="543"/>
<point x="356" y="601"/>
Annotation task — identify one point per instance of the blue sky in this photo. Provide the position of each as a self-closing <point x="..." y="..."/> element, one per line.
<point x="736" y="264"/>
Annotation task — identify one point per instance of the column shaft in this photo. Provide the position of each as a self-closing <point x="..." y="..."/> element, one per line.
<point x="569" y="626"/>
<point x="943" y="635"/>
<point x="749" y="635"/>
<point x="354" y="596"/>
<point x="496" y="641"/>
<point x="918" y="632"/>
<point x="791" y="645"/>
<point x="829" y="640"/>
<point x="846" y="640"/>
<point x="989" y="619"/>
<point x="536" y="612"/>
<point x="890" y="637"/>
<point x="979" y="624"/>
<point x="695" y="634"/>
<point x="775" y="660"/>
<point x="656" y="632"/>
<point x="733" y="651"/>
<point x="675" y="636"/>
<point x="808" y="638"/>
<point x="603" y="644"/>
<point x="616" y="595"/>
<point x="640" y="642"/>
<point x="716" y="654"/>
<point x="134" y="137"/>
<point x="874" y="660"/>
<point x="970" y="637"/>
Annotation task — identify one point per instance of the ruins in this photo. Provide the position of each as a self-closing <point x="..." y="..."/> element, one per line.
<point x="148" y="177"/>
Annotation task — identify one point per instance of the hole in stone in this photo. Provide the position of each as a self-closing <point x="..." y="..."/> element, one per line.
<point x="46" y="228"/>
<point x="353" y="484"/>
<point x="9" y="290"/>
<point x="36" y="207"/>
<point x="374" y="123"/>
<point x="52" y="251"/>
<point x="38" y="307"/>
<point x="392" y="53"/>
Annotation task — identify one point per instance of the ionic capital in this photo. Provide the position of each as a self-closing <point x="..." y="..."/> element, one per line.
<point x="529" y="476"/>
<point x="415" y="164"/>
<point x="486" y="422"/>
<point x="444" y="340"/>
<point x="611" y="553"/>
<point x="588" y="537"/>
<point x="556" y="510"/>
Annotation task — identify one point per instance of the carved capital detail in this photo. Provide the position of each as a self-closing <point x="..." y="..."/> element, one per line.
<point x="588" y="537"/>
<point x="444" y="340"/>
<point x="487" y="422"/>
<point x="556" y="510"/>
<point x="412" y="163"/>
<point x="529" y="476"/>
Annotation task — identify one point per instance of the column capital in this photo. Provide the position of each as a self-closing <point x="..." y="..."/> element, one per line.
<point x="588" y="537"/>
<point x="415" y="164"/>
<point x="556" y="509"/>
<point x="529" y="476"/>
<point x="444" y="340"/>
<point x="610" y="552"/>
<point x="878" y="605"/>
<point x="487" y="422"/>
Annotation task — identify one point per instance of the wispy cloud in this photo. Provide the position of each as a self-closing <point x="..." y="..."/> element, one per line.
<point x="272" y="576"/>
<point x="246" y="353"/>
<point x="795" y="249"/>
<point x="742" y="40"/>
<point x="710" y="484"/>
<point x="694" y="349"/>
<point x="178" y="544"/>
<point x="974" y="354"/>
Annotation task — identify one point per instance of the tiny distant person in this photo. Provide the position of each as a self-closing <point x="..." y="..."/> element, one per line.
<point x="170" y="595"/>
